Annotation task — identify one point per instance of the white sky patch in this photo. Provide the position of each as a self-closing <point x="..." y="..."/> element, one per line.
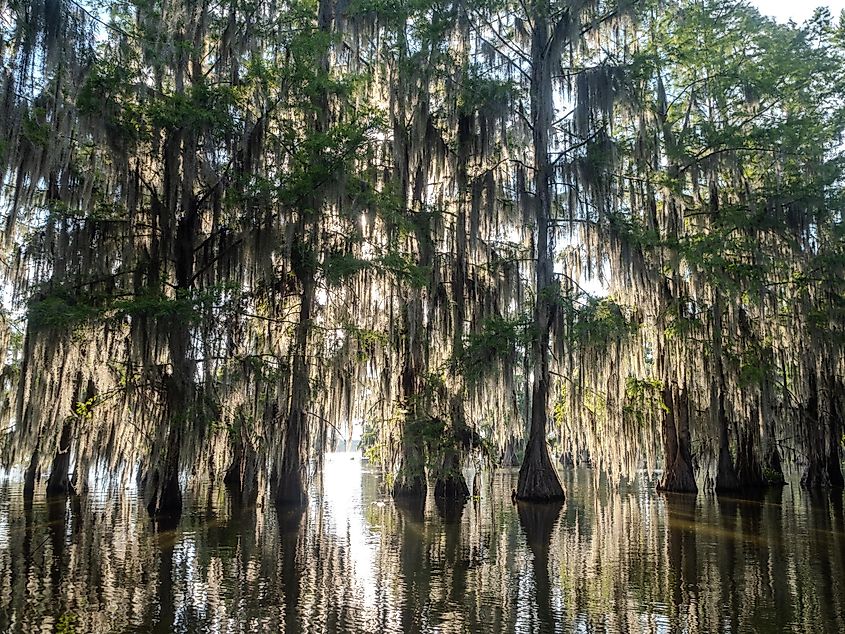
<point x="785" y="10"/>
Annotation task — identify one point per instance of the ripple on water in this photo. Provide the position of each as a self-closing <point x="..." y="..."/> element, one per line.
<point x="355" y="562"/>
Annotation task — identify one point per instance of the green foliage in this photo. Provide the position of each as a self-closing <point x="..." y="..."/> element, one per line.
<point x="496" y="341"/>
<point x="338" y="267"/>
<point x="643" y="397"/>
<point x="405" y="269"/>
<point x="60" y="312"/>
<point x="367" y="340"/>
<point x="36" y="129"/>
<point x="597" y="321"/>
<point x="488" y="95"/>
<point x="64" y="310"/>
<point x="201" y="107"/>
<point x="66" y="624"/>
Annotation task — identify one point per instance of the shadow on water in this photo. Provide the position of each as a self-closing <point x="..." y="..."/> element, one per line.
<point x="538" y="524"/>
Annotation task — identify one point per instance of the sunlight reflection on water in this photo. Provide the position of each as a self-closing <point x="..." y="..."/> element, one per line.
<point x="353" y="561"/>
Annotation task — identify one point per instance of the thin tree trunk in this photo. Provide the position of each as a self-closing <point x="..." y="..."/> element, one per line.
<point x="31" y="476"/>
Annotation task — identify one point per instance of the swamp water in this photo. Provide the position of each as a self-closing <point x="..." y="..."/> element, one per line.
<point x="608" y="560"/>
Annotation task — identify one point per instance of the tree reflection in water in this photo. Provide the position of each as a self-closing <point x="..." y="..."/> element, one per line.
<point x="353" y="561"/>
<point x="538" y="523"/>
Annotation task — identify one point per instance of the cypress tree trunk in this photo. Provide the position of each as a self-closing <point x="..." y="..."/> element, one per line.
<point x="749" y="471"/>
<point x="678" y="474"/>
<point x="163" y="496"/>
<point x="58" y="483"/>
<point x="241" y="477"/>
<point x="30" y="476"/>
<point x="834" y="455"/>
<point x="726" y="479"/>
<point x="538" y="479"/>
<point x="409" y="480"/>
<point x="291" y="480"/>
<point x="292" y="477"/>
<point x="509" y="453"/>
<point x="450" y="483"/>
<point x="822" y="431"/>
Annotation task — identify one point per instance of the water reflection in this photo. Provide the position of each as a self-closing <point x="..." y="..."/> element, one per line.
<point x="353" y="561"/>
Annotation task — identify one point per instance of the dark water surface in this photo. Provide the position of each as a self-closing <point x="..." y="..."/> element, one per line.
<point x="607" y="561"/>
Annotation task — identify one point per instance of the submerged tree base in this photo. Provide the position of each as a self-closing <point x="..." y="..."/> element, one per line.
<point x="163" y="500"/>
<point x="452" y="488"/>
<point x="679" y="478"/>
<point x="290" y="491"/>
<point x="726" y="479"/>
<point x="538" y="479"/>
<point x="409" y="488"/>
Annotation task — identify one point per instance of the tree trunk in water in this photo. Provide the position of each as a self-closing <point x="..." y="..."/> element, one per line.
<point x="291" y="477"/>
<point x="834" y="455"/>
<point x="509" y="453"/>
<point x="30" y="476"/>
<point x="162" y="496"/>
<point x="749" y="471"/>
<point x="450" y="483"/>
<point x="538" y="479"/>
<point x="773" y="469"/>
<point x="678" y="474"/>
<point x="823" y="468"/>
<point x="241" y="477"/>
<point x="726" y="478"/>
<point x="291" y="482"/>
<point x="409" y="481"/>
<point x="59" y="481"/>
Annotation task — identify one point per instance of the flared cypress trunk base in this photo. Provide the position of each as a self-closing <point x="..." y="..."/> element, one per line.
<point x="749" y="471"/>
<point x="822" y="474"/>
<point x="450" y="483"/>
<point x="834" y="472"/>
<point x="538" y="479"/>
<point x="773" y="469"/>
<point x="290" y="490"/>
<point x="678" y="478"/>
<point x="726" y="479"/>
<point x="451" y="488"/>
<point x="29" y="477"/>
<point x="164" y="497"/>
<point x="509" y="458"/>
<point x="58" y="484"/>
<point x="241" y="481"/>
<point x="409" y="488"/>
